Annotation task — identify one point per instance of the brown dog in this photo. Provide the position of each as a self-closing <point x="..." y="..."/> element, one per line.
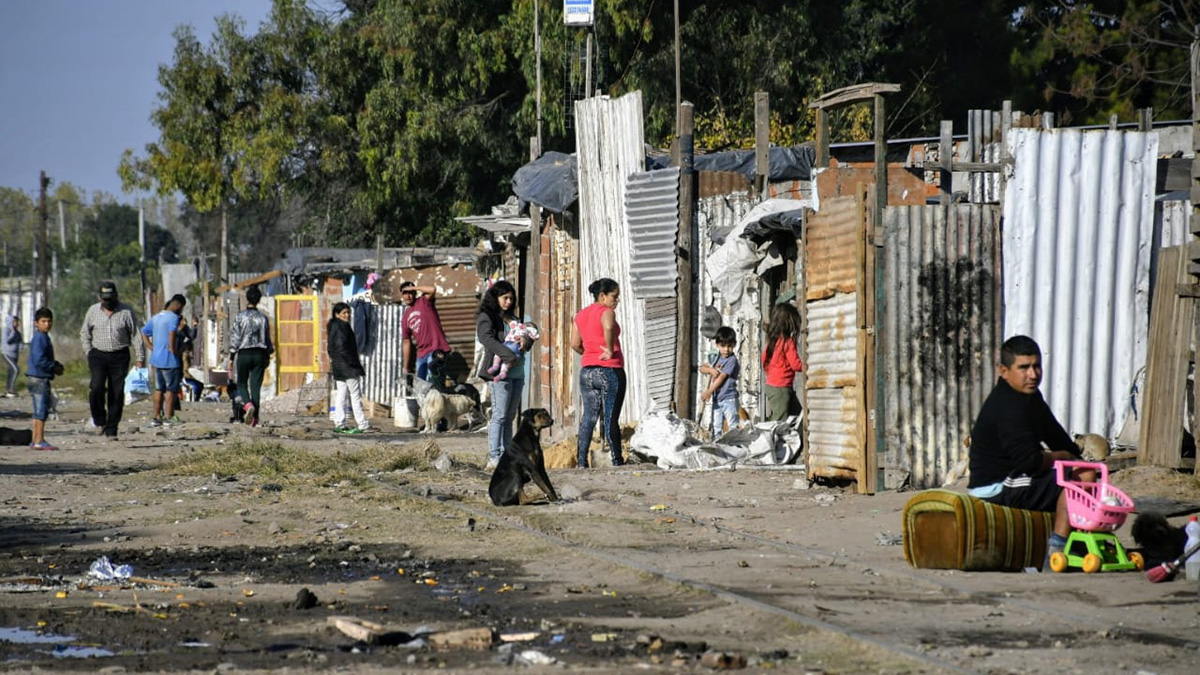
<point x="523" y="462"/>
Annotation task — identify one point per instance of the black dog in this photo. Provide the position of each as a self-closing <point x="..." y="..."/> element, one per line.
<point x="15" y="436"/>
<point x="1160" y="540"/>
<point x="523" y="462"/>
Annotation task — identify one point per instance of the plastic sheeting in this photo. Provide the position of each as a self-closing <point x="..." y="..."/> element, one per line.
<point x="672" y="443"/>
<point x="794" y="163"/>
<point x="734" y="262"/>
<point x="550" y="181"/>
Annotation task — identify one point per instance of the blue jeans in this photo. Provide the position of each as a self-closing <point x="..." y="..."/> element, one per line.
<point x="506" y="402"/>
<point x="423" y="366"/>
<point x="724" y="412"/>
<point x="39" y="387"/>
<point x="603" y="391"/>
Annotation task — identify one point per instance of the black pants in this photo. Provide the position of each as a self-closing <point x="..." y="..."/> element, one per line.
<point x="106" y="393"/>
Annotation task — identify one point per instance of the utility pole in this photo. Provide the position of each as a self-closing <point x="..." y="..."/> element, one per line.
<point x="142" y="246"/>
<point x="678" y="89"/>
<point x="39" y="260"/>
<point x="62" y="227"/>
<point x="537" y="50"/>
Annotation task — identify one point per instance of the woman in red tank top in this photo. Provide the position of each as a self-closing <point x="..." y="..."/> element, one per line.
<point x="596" y="335"/>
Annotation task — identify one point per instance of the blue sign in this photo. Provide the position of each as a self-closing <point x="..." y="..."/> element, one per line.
<point x="578" y="12"/>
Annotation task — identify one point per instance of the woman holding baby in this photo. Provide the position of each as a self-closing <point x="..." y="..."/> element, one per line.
<point x="505" y="340"/>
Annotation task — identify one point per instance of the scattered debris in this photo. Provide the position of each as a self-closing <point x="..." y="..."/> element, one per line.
<point x="888" y="539"/>
<point x="519" y="637"/>
<point x="371" y="633"/>
<point x="104" y="570"/>
<point x="722" y="660"/>
<point x="604" y="637"/>
<point x="535" y="658"/>
<point x="468" y="638"/>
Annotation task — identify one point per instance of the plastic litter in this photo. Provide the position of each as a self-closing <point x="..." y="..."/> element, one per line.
<point x="104" y="570"/>
<point x="535" y="658"/>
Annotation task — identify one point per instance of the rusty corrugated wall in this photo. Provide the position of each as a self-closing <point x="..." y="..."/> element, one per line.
<point x="939" y="339"/>
<point x="830" y="349"/>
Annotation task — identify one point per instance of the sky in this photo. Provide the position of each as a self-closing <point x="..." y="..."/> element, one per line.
<point x="79" y="79"/>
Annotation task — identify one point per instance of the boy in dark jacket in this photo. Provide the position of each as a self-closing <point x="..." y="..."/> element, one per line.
<point x="41" y="370"/>
<point x="347" y="371"/>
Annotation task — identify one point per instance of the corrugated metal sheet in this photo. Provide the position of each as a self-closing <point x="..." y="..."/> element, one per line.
<point x="661" y="339"/>
<point x="830" y="348"/>
<point x="22" y="304"/>
<point x="939" y="335"/>
<point x="1078" y="227"/>
<point x="723" y="211"/>
<point x="720" y="183"/>
<point x="831" y="243"/>
<point x="383" y="357"/>
<point x="984" y="131"/>
<point x="652" y="213"/>
<point x="611" y="146"/>
<point x="1173" y="221"/>
<point x="831" y="389"/>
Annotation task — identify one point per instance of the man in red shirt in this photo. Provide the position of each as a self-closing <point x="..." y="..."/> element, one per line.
<point x="421" y="324"/>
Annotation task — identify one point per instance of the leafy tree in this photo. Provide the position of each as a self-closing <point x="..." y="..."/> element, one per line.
<point x="18" y="218"/>
<point x="1090" y="60"/>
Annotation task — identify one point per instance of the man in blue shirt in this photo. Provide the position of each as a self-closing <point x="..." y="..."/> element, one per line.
<point x="159" y="334"/>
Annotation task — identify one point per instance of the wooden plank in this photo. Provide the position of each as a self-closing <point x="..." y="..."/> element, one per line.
<point x="251" y="281"/>
<point x="762" y="141"/>
<point x="867" y="461"/>
<point x="853" y="93"/>
<point x="1171" y="319"/>
<point x="468" y="638"/>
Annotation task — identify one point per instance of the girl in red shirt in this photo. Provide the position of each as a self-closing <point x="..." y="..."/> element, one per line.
<point x="781" y="362"/>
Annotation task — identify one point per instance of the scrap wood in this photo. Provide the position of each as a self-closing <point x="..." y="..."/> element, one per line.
<point x="37" y="581"/>
<point x="519" y="637"/>
<point x="153" y="582"/>
<point x="470" y="638"/>
<point x="124" y="609"/>
<point x="367" y="631"/>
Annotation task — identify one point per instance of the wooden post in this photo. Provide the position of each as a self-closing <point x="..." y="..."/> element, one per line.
<point x="685" y="245"/>
<point x="881" y="177"/>
<point x="1193" y="267"/>
<point x="822" y="138"/>
<point x="945" y="161"/>
<point x="1146" y="119"/>
<point x="762" y="142"/>
<point x="865" y="343"/>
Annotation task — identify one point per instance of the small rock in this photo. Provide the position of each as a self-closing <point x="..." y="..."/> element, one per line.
<point x="977" y="651"/>
<point x="306" y="599"/>
<point x="443" y="463"/>
<point x="570" y="492"/>
<point x="242" y="512"/>
<point x="800" y="484"/>
<point x="722" y="660"/>
<point x="274" y="528"/>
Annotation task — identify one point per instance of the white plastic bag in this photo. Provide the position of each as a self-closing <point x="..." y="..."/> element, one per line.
<point x="137" y="385"/>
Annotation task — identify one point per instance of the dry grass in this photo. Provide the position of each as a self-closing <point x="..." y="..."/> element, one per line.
<point x="274" y="462"/>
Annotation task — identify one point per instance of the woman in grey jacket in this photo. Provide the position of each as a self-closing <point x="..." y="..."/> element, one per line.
<point x="11" y="349"/>
<point x="496" y="309"/>
<point x="250" y="349"/>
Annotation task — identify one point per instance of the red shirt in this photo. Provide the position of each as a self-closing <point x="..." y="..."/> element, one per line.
<point x="785" y="363"/>
<point x="421" y="319"/>
<point x="591" y="331"/>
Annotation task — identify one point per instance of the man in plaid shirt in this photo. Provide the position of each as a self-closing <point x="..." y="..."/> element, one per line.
<point x="109" y="330"/>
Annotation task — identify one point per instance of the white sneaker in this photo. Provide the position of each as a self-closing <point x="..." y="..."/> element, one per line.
<point x="491" y="465"/>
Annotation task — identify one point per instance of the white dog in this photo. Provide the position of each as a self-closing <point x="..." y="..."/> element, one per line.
<point x="435" y="406"/>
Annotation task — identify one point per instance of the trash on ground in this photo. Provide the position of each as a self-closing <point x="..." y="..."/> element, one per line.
<point x="535" y="658"/>
<point x="519" y="637"/>
<point x="469" y="638"/>
<point x="722" y="660"/>
<point x="674" y="443"/>
<point x="104" y="570"/>
<point x="888" y="539"/>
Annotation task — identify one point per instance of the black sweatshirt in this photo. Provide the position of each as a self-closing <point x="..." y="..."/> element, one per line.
<point x="1008" y="435"/>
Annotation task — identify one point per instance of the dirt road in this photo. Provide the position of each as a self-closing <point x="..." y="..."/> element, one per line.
<point x="635" y="569"/>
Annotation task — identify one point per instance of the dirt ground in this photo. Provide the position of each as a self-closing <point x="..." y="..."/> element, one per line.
<point x="634" y="569"/>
